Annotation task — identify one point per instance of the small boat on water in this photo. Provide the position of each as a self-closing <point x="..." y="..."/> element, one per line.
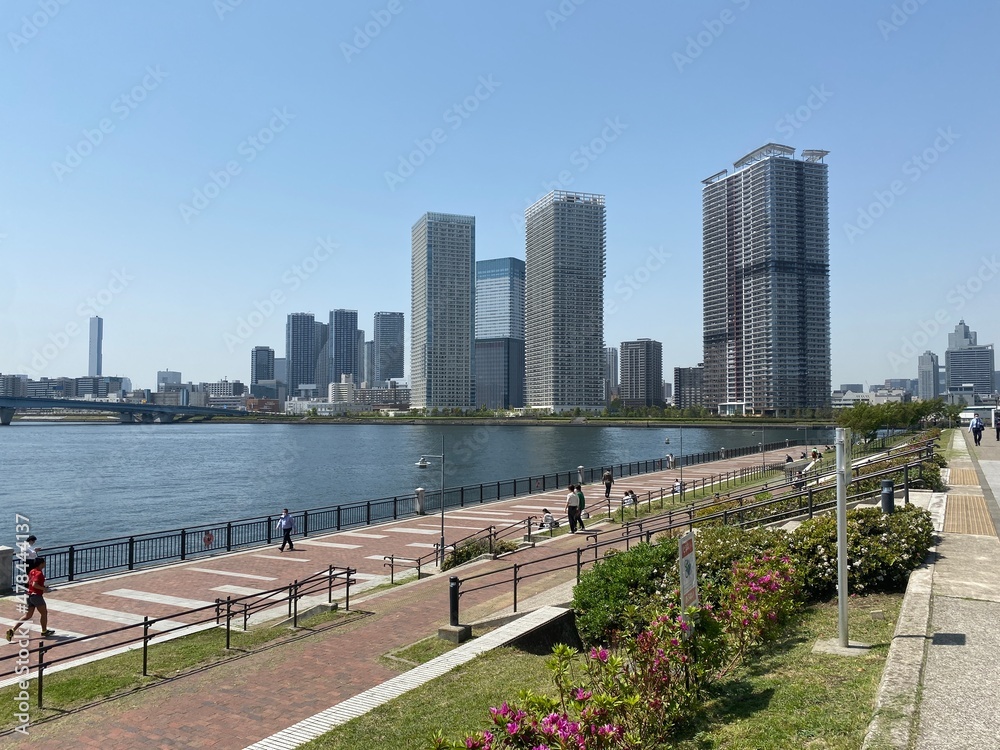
<point x="423" y="463"/>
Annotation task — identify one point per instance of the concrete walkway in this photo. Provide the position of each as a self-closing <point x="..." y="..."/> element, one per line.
<point x="939" y="688"/>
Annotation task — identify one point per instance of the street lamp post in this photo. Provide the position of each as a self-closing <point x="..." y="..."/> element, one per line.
<point x="441" y="458"/>
<point x="763" y="461"/>
<point x="680" y="461"/>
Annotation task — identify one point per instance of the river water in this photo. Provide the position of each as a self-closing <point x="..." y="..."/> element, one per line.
<point x="82" y="482"/>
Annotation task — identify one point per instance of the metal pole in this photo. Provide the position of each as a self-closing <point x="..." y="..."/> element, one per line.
<point x="841" y="538"/>
<point x="453" y="600"/>
<point x="442" y="500"/>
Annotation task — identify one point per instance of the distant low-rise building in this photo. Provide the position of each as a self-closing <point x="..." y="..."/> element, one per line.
<point x="13" y="386"/>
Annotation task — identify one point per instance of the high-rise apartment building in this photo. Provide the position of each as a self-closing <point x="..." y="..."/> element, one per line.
<point x="500" y="333"/>
<point x="443" y="317"/>
<point x="642" y="373"/>
<point x="261" y="364"/>
<point x="689" y="387"/>
<point x="564" y="302"/>
<point x="95" y="361"/>
<point x="927" y="376"/>
<point x="300" y="352"/>
<point x="766" y="279"/>
<point x="368" y="372"/>
<point x="344" y="345"/>
<point x="321" y="351"/>
<point x="361" y="363"/>
<point x="968" y="362"/>
<point x="281" y="369"/>
<point x="388" y="339"/>
<point x="609" y="368"/>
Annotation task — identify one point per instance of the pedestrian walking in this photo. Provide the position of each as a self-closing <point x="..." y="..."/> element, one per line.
<point x="36" y="600"/>
<point x="583" y="504"/>
<point x="609" y="479"/>
<point x="286" y="525"/>
<point x="996" y="421"/>
<point x="572" y="508"/>
<point x="976" y="427"/>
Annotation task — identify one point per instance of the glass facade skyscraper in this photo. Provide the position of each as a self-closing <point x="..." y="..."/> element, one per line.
<point x="500" y="333"/>
<point x="766" y="280"/>
<point x="261" y="364"/>
<point x="500" y="298"/>
<point x="443" y="318"/>
<point x="564" y="302"/>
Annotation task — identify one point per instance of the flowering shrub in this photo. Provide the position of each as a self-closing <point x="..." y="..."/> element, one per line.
<point x="634" y="695"/>
<point x="624" y="591"/>
<point x="881" y="550"/>
<point x="759" y="599"/>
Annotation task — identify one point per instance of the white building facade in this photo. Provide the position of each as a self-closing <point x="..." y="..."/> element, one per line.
<point x="443" y="319"/>
<point x="564" y="302"/>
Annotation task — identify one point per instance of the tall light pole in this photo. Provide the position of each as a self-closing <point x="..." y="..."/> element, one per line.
<point x="763" y="462"/>
<point x="441" y="458"/>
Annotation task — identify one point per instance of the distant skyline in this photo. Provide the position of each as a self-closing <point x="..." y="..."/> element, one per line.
<point x="192" y="191"/>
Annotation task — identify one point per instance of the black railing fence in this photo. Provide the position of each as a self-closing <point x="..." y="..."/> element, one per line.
<point x="678" y="520"/>
<point x="77" y="561"/>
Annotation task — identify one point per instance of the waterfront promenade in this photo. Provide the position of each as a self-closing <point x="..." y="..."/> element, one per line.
<point x="938" y="690"/>
<point x="237" y="703"/>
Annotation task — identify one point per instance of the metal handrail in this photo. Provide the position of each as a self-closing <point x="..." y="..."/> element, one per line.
<point x="295" y="591"/>
<point x="75" y="561"/>
<point x="692" y="520"/>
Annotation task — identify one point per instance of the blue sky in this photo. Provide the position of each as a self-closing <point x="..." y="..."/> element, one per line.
<point x="195" y="171"/>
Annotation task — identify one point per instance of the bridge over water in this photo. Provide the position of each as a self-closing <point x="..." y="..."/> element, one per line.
<point x="127" y="411"/>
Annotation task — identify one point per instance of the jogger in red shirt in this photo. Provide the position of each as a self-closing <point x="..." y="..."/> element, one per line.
<point x="36" y="590"/>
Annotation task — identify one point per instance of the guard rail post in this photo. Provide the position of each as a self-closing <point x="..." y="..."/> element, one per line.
<point x="516" y="566"/>
<point x="145" y="645"/>
<point x="579" y="563"/>
<point x="229" y="620"/>
<point x="41" y="671"/>
<point x="453" y="594"/>
<point x="295" y="604"/>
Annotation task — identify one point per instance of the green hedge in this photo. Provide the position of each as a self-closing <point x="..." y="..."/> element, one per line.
<point x="882" y="550"/>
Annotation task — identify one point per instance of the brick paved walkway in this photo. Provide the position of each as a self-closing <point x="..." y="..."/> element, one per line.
<point x="237" y="703"/>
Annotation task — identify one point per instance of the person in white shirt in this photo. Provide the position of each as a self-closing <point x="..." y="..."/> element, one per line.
<point x="572" y="508"/>
<point x="976" y="428"/>
<point x="286" y="525"/>
<point x="30" y="552"/>
<point x="548" y="522"/>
